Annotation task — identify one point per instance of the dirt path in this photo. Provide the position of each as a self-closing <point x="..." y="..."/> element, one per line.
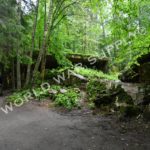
<point x="38" y="128"/>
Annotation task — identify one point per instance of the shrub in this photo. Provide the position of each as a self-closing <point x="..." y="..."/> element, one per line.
<point x="56" y="87"/>
<point x="69" y="99"/>
<point x="16" y="97"/>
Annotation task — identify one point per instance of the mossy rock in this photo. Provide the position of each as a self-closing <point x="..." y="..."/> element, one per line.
<point x="146" y="113"/>
<point x="129" y="111"/>
<point x="144" y="71"/>
<point x="98" y="93"/>
<point x="138" y="73"/>
<point x="103" y="99"/>
<point x="101" y="94"/>
<point x="143" y="58"/>
<point x="100" y="64"/>
<point x="95" y="87"/>
<point x="145" y="90"/>
<point x="129" y="75"/>
<point x="147" y="95"/>
<point x="123" y="97"/>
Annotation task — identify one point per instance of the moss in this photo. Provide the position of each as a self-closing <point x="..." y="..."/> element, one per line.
<point x="91" y="73"/>
<point x="123" y="97"/>
<point x="103" y="99"/>
<point x="145" y="72"/>
<point x="129" y="75"/>
<point x="95" y="87"/>
<point x="138" y="72"/>
<point x="146" y="113"/>
<point x="129" y="111"/>
<point x="145" y="90"/>
<point x="99" y="93"/>
<point x="85" y="56"/>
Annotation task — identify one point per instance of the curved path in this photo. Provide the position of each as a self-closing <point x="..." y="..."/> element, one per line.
<point x="38" y="128"/>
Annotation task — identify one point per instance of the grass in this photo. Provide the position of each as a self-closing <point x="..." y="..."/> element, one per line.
<point x="91" y="73"/>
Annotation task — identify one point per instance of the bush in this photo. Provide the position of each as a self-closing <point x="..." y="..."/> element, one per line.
<point x="69" y="99"/>
<point x="16" y="97"/>
<point x="20" y="96"/>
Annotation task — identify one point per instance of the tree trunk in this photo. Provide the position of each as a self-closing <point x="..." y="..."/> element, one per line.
<point x="45" y="39"/>
<point x="33" y="45"/>
<point x="18" y="51"/>
<point x="13" y="74"/>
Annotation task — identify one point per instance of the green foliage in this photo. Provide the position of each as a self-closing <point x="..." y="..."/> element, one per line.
<point x="61" y="58"/>
<point x="26" y="60"/>
<point x="40" y="94"/>
<point x="94" y="87"/>
<point x="69" y="99"/>
<point x="91" y="73"/>
<point x="56" y="87"/>
<point x="10" y="31"/>
<point x="91" y="105"/>
<point x="54" y="72"/>
<point x="17" y="97"/>
<point x="84" y="27"/>
<point x="37" y="78"/>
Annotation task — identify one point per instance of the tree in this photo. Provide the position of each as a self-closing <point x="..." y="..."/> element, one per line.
<point x="33" y="43"/>
<point x="51" y="21"/>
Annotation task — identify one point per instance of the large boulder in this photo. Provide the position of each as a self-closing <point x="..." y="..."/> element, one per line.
<point x="103" y="93"/>
<point x="130" y="75"/>
<point x="146" y="95"/>
<point x="144" y="73"/>
<point x="116" y="98"/>
<point x="139" y="92"/>
<point x="129" y="111"/>
<point x="146" y="113"/>
<point x="138" y="73"/>
<point x="89" y="61"/>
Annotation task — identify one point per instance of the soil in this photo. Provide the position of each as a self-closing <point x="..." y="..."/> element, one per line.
<point x="36" y="126"/>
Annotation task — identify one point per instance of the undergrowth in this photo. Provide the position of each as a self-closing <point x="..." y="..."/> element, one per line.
<point x="62" y="96"/>
<point x="91" y="73"/>
<point x="68" y="100"/>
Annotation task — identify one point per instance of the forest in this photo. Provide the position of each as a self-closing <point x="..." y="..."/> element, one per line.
<point x="76" y="55"/>
<point x="118" y="30"/>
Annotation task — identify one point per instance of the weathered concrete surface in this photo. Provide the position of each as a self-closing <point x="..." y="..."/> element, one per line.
<point x="38" y="128"/>
<point x="138" y="73"/>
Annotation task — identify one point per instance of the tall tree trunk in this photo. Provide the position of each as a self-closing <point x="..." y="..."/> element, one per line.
<point x="42" y="48"/>
<point x="33" y="44"/>
<point x="18" y="50"/>
<point x="18" y="69"/>
<point x="45" y="37"/>
<point x="13" y="74"/>
<point x="43" y="63"/>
